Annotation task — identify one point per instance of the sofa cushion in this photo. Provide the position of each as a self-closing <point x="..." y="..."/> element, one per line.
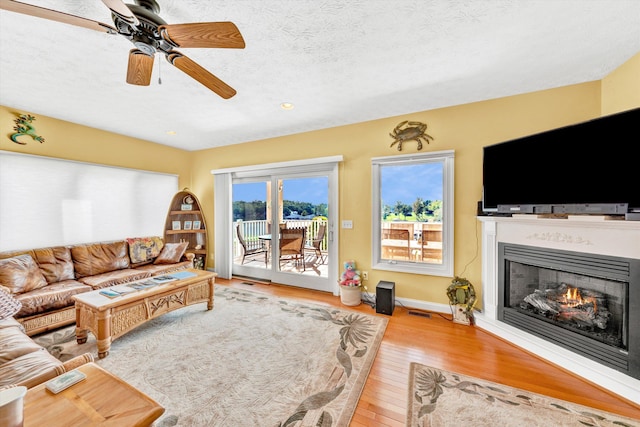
<point x="98" y="258"/>
<point x="29" y="365"/>
<point x="14" y="343"/>
<point x="52" y="297"/>
<point x="10" y="322"/>
<point x="8" y="305"/>
<point x="144" y="249"/>
<point x="55" y="263"/>
<point x="112" y="278"/>
<point x="21" y="274"/>
<point x="171" y="253"/>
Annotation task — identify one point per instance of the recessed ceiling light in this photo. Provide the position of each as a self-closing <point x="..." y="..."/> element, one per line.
<point x="171" y="132"/>
<point x="286" y="106"/>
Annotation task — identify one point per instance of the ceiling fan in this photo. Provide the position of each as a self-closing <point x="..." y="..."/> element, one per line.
<point x="150" y="34"/>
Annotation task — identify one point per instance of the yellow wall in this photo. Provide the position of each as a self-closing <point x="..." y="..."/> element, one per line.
<point x="65" y="140"/>
<point x="621" y="88"/>
<point x="465" y="129"/>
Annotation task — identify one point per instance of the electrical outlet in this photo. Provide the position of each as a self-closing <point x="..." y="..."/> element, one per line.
<point x="365" y="275"/>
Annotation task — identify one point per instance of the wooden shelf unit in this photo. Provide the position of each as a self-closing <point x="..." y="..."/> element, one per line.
<point x="195" y="237"/>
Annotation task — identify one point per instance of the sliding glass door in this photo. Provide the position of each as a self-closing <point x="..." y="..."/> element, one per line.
<point x="284" y="223"/>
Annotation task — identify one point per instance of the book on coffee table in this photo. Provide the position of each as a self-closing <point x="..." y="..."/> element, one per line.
<point x="182" y="274"/>
<point x="143" y="285"/>
<point x="109" y="293"/>
<point x="163" y="279"/>
<point x="121" y="289"/>
<point x="64" y="381"/>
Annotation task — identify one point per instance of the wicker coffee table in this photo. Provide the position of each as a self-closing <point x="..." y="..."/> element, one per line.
<point x="110" y="318"/>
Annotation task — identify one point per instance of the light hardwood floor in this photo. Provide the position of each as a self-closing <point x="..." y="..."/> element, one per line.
<point x="438" y="342"/>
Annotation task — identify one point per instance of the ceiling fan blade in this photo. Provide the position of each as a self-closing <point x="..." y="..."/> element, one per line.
<point x="203" y="34"/>
<point x="119" y="8"/>
<point x="198" y="73"/>
<point x="53" y="15"/>
<point x="140" y="68"/>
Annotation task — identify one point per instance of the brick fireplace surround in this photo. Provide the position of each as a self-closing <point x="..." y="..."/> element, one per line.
<point x="578" y="234"/>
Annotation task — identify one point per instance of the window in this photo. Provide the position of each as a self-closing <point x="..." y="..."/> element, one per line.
<point x="50" y="202"/>
<point x="413" y="213"/>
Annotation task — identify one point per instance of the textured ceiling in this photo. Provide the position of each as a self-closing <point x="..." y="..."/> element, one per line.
<point x="339" y="62"/>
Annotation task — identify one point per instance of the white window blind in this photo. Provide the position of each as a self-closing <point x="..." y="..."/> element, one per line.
<point x="50" y="202"/>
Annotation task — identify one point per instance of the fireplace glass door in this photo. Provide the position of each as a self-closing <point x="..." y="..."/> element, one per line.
<point x="591" y="306"/>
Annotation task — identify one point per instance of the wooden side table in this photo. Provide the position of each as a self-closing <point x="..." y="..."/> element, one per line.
<point x="99" y="400"/>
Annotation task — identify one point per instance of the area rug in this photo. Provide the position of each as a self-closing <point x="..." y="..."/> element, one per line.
<point x="254" y="360"/>
<point x="439" y="398"/>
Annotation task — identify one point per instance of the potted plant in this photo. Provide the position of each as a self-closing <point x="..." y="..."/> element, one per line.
<point x="350" y="286"/>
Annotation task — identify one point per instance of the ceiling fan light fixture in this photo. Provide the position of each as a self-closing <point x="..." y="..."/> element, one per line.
<point x="287" y="106"/>
<point x="144" y="44"/>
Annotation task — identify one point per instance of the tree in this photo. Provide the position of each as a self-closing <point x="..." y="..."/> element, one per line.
<point x="435" y="208"/>
<point x="402" y="209"/>
<point x="250" y="211"/>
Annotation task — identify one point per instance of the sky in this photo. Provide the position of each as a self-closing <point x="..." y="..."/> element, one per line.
<point x="313" y="190"/>
<point x="402" y="183"/>
<point x="406" y="183"/>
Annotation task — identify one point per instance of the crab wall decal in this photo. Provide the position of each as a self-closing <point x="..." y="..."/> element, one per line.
<point x="409" y="131"/>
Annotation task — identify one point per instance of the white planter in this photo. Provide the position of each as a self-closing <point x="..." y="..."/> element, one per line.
<point x="12" y="406"/>
<point x="351" y="295"/>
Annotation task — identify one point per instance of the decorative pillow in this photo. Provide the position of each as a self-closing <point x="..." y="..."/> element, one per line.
<point x="21" y="274"/>
<point x="143" y="249"/>
<point x="171" y="253"/>
<point x="8" y="305"/>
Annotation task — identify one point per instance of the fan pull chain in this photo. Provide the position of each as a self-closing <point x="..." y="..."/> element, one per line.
<point x="159" y="73"/>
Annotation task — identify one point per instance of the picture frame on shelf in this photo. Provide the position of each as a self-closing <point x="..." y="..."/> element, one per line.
<point x="196" y="225"/>
<point x="187" y="225"/>
<point x="186" y="207"/>
<point x="175" y="225"/>
<point x="198" y="263"/>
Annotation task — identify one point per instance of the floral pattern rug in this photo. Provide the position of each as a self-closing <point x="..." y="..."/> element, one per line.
<point x="254" y="360"/>
<point x="439" y="398"/>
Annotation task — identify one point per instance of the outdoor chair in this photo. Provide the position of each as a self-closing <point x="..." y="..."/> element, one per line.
<point x="292" y="241"/>
<point x="252" y="248"/>
<point x="431" y="242"/>
<point x="396" y="243"/>
<point x="316" y="243"/>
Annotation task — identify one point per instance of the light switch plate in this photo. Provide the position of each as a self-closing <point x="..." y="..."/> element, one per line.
<point x="347" y="223"/>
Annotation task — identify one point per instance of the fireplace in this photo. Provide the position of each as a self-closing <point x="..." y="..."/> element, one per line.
<point x="581" y="302"/>
<point x="543" y="258"/>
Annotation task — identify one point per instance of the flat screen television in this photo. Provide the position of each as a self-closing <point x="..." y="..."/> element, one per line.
<point x="587" y="168"/>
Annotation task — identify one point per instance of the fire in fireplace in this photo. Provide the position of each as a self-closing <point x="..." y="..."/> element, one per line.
<point x="565" y="306"/>
<point x="582" y="302"/>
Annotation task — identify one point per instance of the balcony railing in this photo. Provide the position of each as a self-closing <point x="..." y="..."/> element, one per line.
<point x="423" y="241"/>
<point x="251" y="230"/>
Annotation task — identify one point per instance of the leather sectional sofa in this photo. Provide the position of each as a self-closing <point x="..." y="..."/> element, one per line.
<point x="44" y="280"/>
<point x="25" y="363"/>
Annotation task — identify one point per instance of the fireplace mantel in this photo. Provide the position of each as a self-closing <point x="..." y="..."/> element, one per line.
<point x="578" y="234"/>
